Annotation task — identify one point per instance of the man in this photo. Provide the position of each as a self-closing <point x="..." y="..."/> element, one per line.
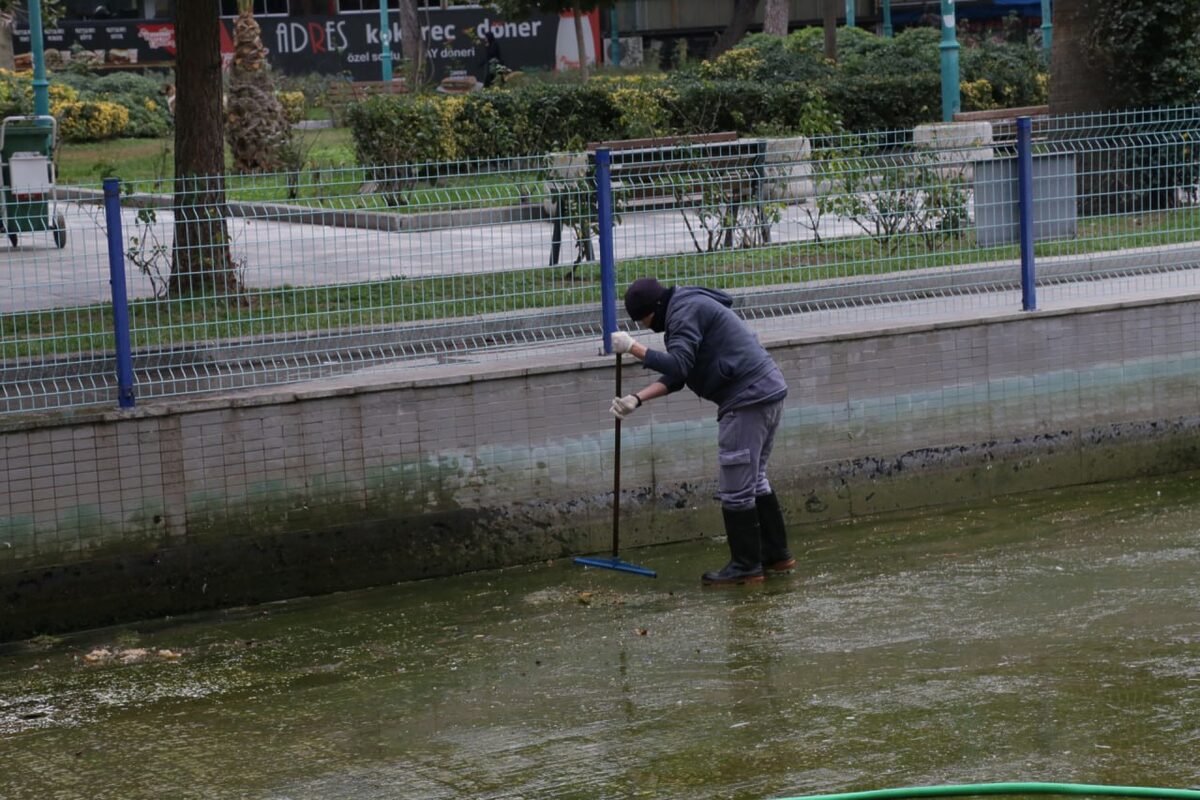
<point x="493" y="64"/>
<point x="712" y="352"/>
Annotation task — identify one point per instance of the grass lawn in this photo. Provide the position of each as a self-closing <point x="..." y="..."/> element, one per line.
<point x="154" y="159"/>
<point x="331" y="176"/>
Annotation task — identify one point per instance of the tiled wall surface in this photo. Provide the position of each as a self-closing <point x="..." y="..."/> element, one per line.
<point x="217" y="501"/>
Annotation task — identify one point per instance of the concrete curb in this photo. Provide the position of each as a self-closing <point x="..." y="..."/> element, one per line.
<point x="462" y="344"/>
<point x="356" y="219"/>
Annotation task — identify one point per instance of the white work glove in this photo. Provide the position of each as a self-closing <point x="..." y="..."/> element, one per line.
<point x="622" y="342"/>
<point x="622" y="407"/>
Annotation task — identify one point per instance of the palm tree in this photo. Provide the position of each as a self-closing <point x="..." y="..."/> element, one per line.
<point x="255" y="125"/>
<point x="8" y="17"/>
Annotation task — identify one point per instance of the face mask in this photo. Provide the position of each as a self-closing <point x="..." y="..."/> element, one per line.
<point x="659" y="323"/>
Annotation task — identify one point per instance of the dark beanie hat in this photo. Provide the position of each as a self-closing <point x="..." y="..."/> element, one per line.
<point x="642" y="296"/>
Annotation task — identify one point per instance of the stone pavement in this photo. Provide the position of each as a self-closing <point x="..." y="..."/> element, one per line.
<point x="36" y="275"/>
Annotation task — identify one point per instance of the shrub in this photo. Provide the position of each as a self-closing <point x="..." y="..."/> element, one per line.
<point x="485" y="124"/>
<point x="140" y="95"/>
<point x="544" y="117"/>
<point x="887" y="84"/>
<point x="11" y="93"/>
<point x="565" y="116"/>
<point x="314" y="86"/>
<point x="749" y="107"/>
<point x="89" y="121"/>
<point x="293" y="104"/>
<point x="1015" y="72"/>
<point x="737" y="64"/>
<point x="1148" y="50"/>
<point x="149" y="118"/>
<point x="875" y="101"/>
<point x="16" y="93"/>
<point x="977" y="95"/>
<point x="400" y="130"/>
<point x="644" y="112"/>
<point x="769" y="58"/>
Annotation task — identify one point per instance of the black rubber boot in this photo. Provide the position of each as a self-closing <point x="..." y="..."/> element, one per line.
<point x="745" y="563"/>
<point x="776" y="558"/>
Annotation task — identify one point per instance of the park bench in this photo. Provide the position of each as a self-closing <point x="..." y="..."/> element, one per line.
<point x="1004" y="120"/>
<point x="341" y="94"/>
<point x="666" y="173"/>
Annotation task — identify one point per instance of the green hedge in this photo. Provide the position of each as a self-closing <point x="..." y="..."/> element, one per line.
<point x="547" y="117"/>
<point x="142" y="95"/>
<point x="765" y="86"/>
<point x="888" y="84"/>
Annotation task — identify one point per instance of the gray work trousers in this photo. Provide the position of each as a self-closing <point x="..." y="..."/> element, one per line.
<point x="744" y="438"/>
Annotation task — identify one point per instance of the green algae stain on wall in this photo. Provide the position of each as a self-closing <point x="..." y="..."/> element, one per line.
<point x="18" y="536"/>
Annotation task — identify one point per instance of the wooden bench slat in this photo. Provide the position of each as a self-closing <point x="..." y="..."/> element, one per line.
<point x="342" y="93"/>
<point x="1001" y="114"/>
<point x="665" y="141"/>
<point x="670" y="172"/>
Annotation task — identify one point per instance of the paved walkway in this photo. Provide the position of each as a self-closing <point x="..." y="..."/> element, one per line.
<point x="36" y="275"/>
<point x="828" y="322"/>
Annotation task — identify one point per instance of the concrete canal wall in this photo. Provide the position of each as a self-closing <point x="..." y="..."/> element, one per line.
<point x="108" y="516"/>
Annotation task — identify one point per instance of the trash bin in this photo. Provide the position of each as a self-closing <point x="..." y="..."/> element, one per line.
<point x="27" y="175"/>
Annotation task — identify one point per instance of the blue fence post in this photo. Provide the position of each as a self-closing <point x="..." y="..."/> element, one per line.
<point x="120" y="301"/>
<point x="608" y="267"/>
<point x="1025" y="205"/>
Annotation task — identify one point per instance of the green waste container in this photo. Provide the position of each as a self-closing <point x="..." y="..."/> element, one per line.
<point x="27" y="171"/>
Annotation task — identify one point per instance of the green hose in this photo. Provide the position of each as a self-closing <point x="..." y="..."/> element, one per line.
<point x="964" y="789"/>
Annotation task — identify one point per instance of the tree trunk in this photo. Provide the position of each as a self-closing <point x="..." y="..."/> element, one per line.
<point x="775" y="20"/>
<point x="743" y="15"/>
<point x="1083" y="79"/>
<point x="1078" y="74"/>
<point x="413" y="47"/>
<point x="580" y="41"/>
<point x="202" y="262"/>
<point x="829" y="23"/>
<point x="7" y="58"/>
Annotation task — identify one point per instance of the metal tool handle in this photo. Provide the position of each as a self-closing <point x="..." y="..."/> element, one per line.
<point x="616" y="522"/>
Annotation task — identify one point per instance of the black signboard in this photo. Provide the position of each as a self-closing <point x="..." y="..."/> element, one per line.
<point x="101" y="44"/>
<point x="349" y="44"/>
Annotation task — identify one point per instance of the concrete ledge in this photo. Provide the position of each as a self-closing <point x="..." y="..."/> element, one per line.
<point x="434" y="347"/>
<point x="956" y="145"/>
<point x="355" y="219"/>
<point x="166" y="576"/>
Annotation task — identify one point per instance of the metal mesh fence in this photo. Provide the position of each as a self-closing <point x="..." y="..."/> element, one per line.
<point x="251" y="280"/>
<point x="55" y="306"/>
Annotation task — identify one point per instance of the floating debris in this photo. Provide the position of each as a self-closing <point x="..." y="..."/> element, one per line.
<point x="129" y="655"/>
<point x="98" y="656"/>
<point x="134" y="654"/>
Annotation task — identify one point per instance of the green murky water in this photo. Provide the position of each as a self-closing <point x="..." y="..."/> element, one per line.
<point x="1052" y="637"/>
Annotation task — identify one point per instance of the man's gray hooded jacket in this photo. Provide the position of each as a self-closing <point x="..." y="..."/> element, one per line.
<point x="712" y="352"/>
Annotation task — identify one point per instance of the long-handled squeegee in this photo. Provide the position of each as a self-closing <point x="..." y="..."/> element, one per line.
<point x="615" y="562"/>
